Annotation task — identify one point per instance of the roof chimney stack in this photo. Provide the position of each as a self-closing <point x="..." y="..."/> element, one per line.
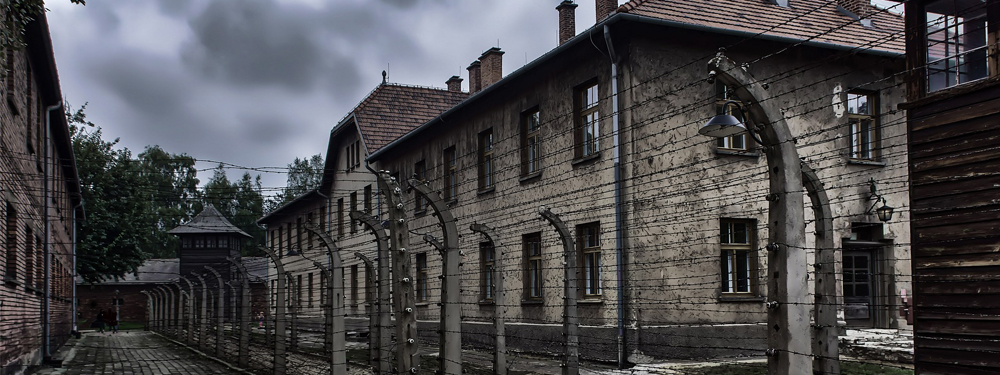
<point x="492" y="70"/>
<point x="606" y="8"/>
<point x="856" y="9"/>
<point x="475" y="84"/>
<point x="567" y="20"/>
<point x="454" y="84"/>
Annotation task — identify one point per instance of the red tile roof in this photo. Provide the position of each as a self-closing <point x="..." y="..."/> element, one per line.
<point x="813" y="20"/>
<point x="392" y="110"/>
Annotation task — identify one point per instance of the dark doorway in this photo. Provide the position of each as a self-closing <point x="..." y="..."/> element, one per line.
<point x="858" y="288"/>
<point x="867" y="277"/>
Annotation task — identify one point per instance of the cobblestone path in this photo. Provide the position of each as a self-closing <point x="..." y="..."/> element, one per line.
<point x="132" y="353"/>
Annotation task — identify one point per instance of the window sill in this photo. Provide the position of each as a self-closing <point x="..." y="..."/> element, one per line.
<point x="422" y="304"/>
<point x="740" y="298"/>
<point x="11" y="282"/>
<point x="420" y="212"/>
<point x="531" y="177"/>
<point x="591" y="301"/>
<point x="486" y="191"/>
<point x="743" y="153"/>
<point x="870" y="163"/>
<point x="486" y="302"/>
<point x="586" y="159"/>
<point x="532" y="302"/>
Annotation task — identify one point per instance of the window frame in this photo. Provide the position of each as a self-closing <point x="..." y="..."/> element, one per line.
<point x="487" y="171"/>
<point x="420" y="287"/>
<point x="420" y="174"/>
<point x="854" y="127"/>
<point x="729" y="277"/>
<point x="10" y="267"/>
<point x="954" y="31"/>
<point x="533" y="267"/>
<point x="354" y="285"/>
<point x="487" y="260"/>
<point x="591" y="285"/>
<point x="583" y="109"/>
<point x="450" y="171"/>
<point x="354" y="207"/>
<point x="340" y="217"/>
<point x="531" y="142"/>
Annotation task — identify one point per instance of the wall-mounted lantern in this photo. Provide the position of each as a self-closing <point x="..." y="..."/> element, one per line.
<point x="884" y="213"/>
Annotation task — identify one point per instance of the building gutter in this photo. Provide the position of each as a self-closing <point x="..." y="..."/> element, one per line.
<point x="611" y="20"/>
<point x="619" y="201"/>
<point x="46" y="200"/>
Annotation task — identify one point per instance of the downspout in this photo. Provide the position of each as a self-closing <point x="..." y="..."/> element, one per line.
<point x="46" y="325"/>
<point x="619" y="203"/>
<point x="75" y="309"/>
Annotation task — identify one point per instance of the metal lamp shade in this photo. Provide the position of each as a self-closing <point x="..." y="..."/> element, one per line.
<point x="722" y="126"/>
<point x="884" y="213"/>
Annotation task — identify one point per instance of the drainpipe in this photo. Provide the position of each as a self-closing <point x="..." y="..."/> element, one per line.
<point x="46" y="325"/>
<point x="619" y="203"/>
<point x="73" y="273"/>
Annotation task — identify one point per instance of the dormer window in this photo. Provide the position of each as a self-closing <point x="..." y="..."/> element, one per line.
<point x="955" y="42"/>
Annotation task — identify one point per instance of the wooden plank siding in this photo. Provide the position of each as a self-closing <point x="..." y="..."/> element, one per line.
<point x="954" y="149"/>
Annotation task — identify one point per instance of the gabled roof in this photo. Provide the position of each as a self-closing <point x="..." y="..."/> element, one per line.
<point x="392" y="110"/>
<point x="291" y="206"/>
<point x="814" y="20"/>
<point x="209" y="220"/>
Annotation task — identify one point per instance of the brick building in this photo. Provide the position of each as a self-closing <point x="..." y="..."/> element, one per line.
<point x="41" y="198"/>
<point x="669" y="226"/>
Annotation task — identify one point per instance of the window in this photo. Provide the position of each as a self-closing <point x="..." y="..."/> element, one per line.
<point x="530" y="142"/>
<point x="734" y="142"/>
<point x="737" y="256"/>
<point x="322" y="218"/>
<point x="533" y="266"/>
<point x="353" y="155"/>
<point x="421" y="285"/>
<point x="589" y="242"/>
<point x="864" y="129"/>
<point x="486" y="172"/>
<point x="274" y="291"/>
<point x="368" y="199"/>
<point x="298" y="290"/>
<point x="450" y="174"/>
<point x="322" y="289"/>
<point x="354" y="285"/>
<point x="288" y="240"/>
<point x="956" y="43"/>
<point x="588" y="121"/>
<point x="310" y="235"/>
<point x="298" y="235"/>
<point x="354" y="207"/>
<point x="11" y="266"/>
<point x="420" y="173"/>
<point x="29" y="258"/>
<point x="340" y="217"/>
<point x="486" y="263"/>
<point x="309" y="291"/>
<point x="281" y="235"/>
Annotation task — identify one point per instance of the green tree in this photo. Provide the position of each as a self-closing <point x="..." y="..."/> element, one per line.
<point x="113" y="236"/>
<point x="241" y="202"/>
<point x="304" y="175"/>
<point x="171" y="185"/>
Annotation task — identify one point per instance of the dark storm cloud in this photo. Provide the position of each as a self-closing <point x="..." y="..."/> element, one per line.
<point x="141" y="81"/>
<point x="174" y="8"/>
<point x="104" y="17"/>
<point x="255" y="43"/>
<point x="265" y="129"/>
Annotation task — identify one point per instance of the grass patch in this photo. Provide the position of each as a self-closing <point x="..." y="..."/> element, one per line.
<point x="846" y="368"/>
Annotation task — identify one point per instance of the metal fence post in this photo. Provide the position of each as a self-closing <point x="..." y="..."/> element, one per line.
<point x="157" y="324"/>
<point x="826" y="339"/>
<point x="370" y="298"/>
<point x="336" y="330"/>
<point x="175" y="308"/>
<point x="244" y="320"/>
<point x="570" y="317"/>
<point x="220" y="311"/>
<point x="203" y="314"/>
<point x="499" y="299"/>
<point x="149" y="309"/>
<point x="450" y="355"/>
<point x="789" y="345"/>
<point x="405" y="304"/>
<point x="279" y="314"/>
<point x="384" y="318"/>
<point x="191" y="318"/>
<point x="293" y="309"/>
<point x="168" y="323"/>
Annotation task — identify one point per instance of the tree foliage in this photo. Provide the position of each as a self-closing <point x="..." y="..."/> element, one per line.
<point x="304" y="174"/>
<point x="239" y="201"/>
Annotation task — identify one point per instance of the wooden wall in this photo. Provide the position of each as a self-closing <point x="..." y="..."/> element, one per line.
<point x="954" y="148"/>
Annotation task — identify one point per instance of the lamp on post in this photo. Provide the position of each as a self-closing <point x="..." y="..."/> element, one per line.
<point x="883" y="213"/>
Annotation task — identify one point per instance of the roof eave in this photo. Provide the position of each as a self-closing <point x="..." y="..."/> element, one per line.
<point x="301" y="198"/>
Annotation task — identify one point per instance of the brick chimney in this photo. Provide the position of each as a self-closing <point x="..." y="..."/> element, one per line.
<point x="475" y="83"/>
<point x="567" y="20"/>
<point x="856" y="7"/>
<point x="454" y="84"/>
<point x="605" y="8"/>
<point x="492" y="71"/>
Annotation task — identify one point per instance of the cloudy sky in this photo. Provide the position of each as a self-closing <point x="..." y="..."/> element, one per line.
<point x="256" y="83"/>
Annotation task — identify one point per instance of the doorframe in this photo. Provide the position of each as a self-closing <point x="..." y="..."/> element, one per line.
<point x="883" y="280"/>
